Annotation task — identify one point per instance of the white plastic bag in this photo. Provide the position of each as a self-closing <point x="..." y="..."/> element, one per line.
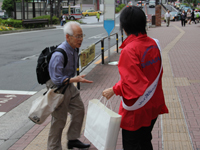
<point x="44" y="105"/>
<point x="102" y="126"/>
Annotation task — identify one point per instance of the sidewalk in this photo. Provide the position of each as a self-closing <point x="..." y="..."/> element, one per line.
<point x="178" y="130"/>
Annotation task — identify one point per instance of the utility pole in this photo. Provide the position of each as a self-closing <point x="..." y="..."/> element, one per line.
<point x="51" y="11"/>
<point x="23" y="10"/>
<point x="58" y="8"/>
<point x="15" y="16"/>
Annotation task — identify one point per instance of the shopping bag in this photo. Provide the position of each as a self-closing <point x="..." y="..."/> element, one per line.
<point x="102" y="126"/>
<point x="44" y="105"/>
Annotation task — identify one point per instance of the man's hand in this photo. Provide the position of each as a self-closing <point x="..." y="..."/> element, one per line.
<point x="108" y="93"/>
<point x="80" y="79"/>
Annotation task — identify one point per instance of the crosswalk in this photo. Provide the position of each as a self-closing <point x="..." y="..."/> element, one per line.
<point x="10" y="99"/>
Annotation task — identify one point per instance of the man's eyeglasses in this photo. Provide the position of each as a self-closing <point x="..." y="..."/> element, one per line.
<point x="79" y="36"/>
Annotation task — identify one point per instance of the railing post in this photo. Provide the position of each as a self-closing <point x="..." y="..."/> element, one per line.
<point x="117" y="41"/>
<point x="102" y="51"/>
<point x="77" y="70"/>
<point x="122" y="35"/>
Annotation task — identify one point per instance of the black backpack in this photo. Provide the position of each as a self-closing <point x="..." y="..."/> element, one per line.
<point x="43" y="62"/>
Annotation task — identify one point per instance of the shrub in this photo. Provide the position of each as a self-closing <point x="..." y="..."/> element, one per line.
<point x="12" y="23"/>
<point x="119" y="8"/>
<point x="55" y="20"/>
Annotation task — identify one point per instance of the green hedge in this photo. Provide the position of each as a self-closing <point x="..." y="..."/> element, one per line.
<point x="55" y="20"/>
<point x="119" y="8"/>
<point x="12" y="23"/>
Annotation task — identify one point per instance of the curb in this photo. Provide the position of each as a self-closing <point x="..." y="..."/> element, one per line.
<point x="24" y="30"/>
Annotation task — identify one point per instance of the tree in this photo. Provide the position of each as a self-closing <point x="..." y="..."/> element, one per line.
<point x="8" y="5"/>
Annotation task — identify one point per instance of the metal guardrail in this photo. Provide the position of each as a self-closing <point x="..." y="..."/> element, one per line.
<point x="102" y="54"/>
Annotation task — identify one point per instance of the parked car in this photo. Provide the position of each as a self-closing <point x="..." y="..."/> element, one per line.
<point x="177" y="5"/>
<point x="152" y="4"/>
<point x="4" y="17"/>
<point x="140" y="4"/>
<point x="181" y="6"/>
<point x="175" y="16"/>
<point x="130" y="4"/>
<point x="186" y="8"/>
<point x="90" y="12"/>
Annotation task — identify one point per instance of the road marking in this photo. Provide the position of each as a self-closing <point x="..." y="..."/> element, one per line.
<point x="2" y="113"/>
<point x="17" y="92"/>
<point x="10" y="99"/>
<point x="29" y="57"/>
<point x="96" y="36"/>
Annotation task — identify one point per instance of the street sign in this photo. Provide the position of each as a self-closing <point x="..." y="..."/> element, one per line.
<point x="87" y="55"/>
<point x="109" y="19"/>
<point x="109" y="15"/>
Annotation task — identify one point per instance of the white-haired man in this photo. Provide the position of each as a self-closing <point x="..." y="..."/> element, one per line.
<point x="72" y="101"/>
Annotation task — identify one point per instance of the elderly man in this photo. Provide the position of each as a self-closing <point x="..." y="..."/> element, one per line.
<point x="167" y="16"/>
<point x="72" y="101"/>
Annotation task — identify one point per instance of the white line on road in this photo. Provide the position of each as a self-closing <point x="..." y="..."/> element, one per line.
<point x="17" y="92"/>
<point x="2" y="113"/>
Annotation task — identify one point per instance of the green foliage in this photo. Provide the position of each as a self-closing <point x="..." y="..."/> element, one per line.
<point x="8" y="5"/>
<point x="55" y="20"/>
<point x="35" y="25"/>
<point x="119" y="8"/>
<point x="12" y="23"/>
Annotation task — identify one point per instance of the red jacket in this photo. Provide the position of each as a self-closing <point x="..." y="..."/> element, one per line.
<point x="139" y="65"/>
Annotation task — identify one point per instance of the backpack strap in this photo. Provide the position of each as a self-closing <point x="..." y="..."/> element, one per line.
<point x="64" y="54"/>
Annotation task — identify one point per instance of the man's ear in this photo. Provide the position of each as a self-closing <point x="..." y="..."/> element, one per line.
<point x="67" y="37"/>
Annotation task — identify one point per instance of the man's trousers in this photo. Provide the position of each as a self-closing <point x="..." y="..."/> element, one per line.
<point x="72" y="104"/>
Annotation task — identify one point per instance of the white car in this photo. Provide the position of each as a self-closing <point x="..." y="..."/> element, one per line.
<point x="152" y="4"/>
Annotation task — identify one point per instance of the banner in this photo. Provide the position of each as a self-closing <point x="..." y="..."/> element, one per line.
<point x="87" y="55"/>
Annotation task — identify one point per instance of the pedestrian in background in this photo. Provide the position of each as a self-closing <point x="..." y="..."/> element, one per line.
<point x="72" y="101"/>
<point x="167" y="16"/>
<point x="183" y="17"/>
<point x="189" y="16"/>
<point x="98" y="16"/>
<point x="63" y="20"/>
<point x="193" y="16"/>
<point x="137" y="73"/>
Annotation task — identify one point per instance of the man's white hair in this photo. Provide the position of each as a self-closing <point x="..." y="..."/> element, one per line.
<point x="68" y="27"/>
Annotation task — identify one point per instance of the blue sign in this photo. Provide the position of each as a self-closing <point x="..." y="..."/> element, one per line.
<point x="109" y="26"/>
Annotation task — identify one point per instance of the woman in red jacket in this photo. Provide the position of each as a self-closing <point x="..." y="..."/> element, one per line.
<point x="140" y="84"/>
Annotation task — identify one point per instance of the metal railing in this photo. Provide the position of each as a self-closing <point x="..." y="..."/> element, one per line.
<point x="102" y="54"/>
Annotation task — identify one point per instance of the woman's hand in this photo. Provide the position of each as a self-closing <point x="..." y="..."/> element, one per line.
<point x="108" y="93"/>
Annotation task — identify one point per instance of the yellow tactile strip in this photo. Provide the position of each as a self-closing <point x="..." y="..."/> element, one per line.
<point x="175" y="132"/>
